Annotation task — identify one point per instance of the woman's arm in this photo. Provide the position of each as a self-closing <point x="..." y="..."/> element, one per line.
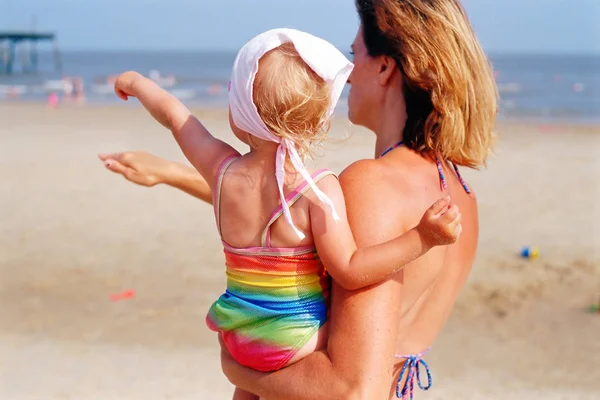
<point x="146" y="169"/>
<point x="358" y="362"/>
<point x="363" y="327"/>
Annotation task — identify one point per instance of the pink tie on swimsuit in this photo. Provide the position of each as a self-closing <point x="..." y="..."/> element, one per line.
<point x="412" y="364"/>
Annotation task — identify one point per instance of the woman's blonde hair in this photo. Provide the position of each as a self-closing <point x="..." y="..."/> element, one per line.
<point x="449" y="87"/>
<point x="292" y="99"/>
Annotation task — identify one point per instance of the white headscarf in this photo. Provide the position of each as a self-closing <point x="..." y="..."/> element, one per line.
<point x="323" y="58"/>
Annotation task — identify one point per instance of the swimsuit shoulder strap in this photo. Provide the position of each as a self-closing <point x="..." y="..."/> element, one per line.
<point x="290" y="200"/>
<point x="217" y="192"/>
<point x="443" y="179"/>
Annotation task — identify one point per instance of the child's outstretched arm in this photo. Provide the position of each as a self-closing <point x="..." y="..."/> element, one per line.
<point x="355" y="268"/>
<point x="203" y="150"/>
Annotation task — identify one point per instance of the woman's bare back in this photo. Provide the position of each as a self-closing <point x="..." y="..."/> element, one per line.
<point x="430" y="284"/>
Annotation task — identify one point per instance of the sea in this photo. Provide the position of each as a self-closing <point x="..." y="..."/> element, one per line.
<point x="545" y="88"/>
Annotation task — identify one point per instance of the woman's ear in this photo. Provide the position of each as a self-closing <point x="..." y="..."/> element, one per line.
<point x="387" y="67"/>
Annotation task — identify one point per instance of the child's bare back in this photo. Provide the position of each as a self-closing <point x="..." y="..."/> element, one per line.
<point x="249" y="195"/>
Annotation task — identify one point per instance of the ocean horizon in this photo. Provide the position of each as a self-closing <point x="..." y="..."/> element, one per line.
<point x="548" y="87"/>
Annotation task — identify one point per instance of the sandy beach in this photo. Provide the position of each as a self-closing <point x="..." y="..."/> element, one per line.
<point x="72" y="234"/>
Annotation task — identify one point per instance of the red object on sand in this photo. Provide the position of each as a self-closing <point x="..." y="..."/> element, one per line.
<point x="128" y="294"/>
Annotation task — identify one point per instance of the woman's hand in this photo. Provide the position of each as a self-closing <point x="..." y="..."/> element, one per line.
<point x="146" y="169"/>
<point x="138" y="167"/>
<point x="228" y="364"/>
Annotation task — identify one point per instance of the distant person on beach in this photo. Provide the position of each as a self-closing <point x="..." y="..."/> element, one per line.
<point x="78" y="89"/>
<point x="423" y="85"/>
<point x="68" y="87"/>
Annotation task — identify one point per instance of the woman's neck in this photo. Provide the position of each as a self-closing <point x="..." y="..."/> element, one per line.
<point x="391" y="122"/>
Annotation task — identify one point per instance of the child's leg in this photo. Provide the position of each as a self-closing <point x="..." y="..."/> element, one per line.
<point x="240" y="394"/>
<point x="317" y="342"/>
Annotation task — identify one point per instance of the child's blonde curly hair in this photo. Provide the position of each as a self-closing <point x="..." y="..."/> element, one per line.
<point x="292" y="99"/>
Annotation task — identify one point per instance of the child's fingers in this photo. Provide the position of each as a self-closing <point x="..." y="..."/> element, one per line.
<point x="458" y="230"/>
<point x="439" y="206"/>
<point x="451" y="214"/>
<point x="453" y="230"/>
<point x="458" y="218"/>
<point x="454" y="223"/>
<point x="121" y="94"/>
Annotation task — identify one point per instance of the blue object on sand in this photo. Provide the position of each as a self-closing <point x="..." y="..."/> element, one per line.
<point x="530" y="252"/>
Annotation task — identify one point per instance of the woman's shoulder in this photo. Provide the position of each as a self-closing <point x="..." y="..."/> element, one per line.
<point x="373" y="175"/>
<point x="360" y="172"/>
<point x="375" y="207"/>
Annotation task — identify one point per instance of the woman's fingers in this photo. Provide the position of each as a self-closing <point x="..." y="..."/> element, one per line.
<point x="111" y="156"/>
<point x="129" y="173"/>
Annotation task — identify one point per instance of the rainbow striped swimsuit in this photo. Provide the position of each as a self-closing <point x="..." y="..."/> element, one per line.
<point x="276" y="298"/>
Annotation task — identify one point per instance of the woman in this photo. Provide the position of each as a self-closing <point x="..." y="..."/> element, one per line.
<point x="423" y="85"/>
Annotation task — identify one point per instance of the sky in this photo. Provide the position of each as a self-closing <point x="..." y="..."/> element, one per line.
<point x="502" y="26"/>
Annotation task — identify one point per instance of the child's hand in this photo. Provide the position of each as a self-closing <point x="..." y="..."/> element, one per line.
<point x="440" y="224"/>
<point x="124" y="84"/>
